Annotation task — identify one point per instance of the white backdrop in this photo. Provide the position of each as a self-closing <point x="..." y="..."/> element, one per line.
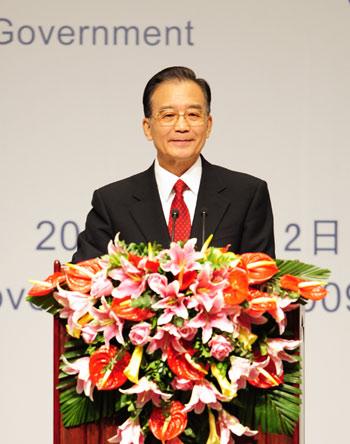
<point x="70" y="113"/>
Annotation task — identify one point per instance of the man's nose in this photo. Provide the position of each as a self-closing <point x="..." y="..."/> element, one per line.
<point x="181" y="123"/>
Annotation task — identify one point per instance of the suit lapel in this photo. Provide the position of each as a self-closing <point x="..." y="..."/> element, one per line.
<point x="210" y="200"/>
<point x="147" y="210"/>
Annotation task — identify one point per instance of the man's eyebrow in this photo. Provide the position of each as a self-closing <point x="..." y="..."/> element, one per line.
<point x="165" y="107"/>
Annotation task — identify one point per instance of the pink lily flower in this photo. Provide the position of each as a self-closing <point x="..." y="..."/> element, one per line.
<point x="132" y="280"/>
<point x="181" y="259"/>
<point x="276" y="350"/>
<point x="207" y="293"/>
<point x="72" y="301"/>
<point x="208" y="321"/>
<point x="101" y="285"/>
<point x="279" y="314"/>
<point x="158" y="283"/>
<point x="80" y="367"/>
<point x="128" y="433"/>
<point x="170" y="310"/>
<point x="182" y="384"/>
<point x="115" y="247"/>
<point x="172" y="302"/>
<point x="229" y="424"/>
<point x="166" y="335"/>
<point x="146" y="390"/>
<point x="241" y="369"/>
<point x="75" y="306"/>
<point x="106" y="321"/>
<point x="204" y="393"/>
<point x="89" y="333"/>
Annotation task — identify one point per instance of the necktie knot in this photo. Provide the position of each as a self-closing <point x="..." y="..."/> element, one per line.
<point x="180" y="187"/>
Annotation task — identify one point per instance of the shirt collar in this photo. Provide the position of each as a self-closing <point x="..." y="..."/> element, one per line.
<point x="166" y="180"/>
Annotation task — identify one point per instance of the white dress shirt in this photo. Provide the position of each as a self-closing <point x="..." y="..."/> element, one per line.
<point x="166" y="181"/>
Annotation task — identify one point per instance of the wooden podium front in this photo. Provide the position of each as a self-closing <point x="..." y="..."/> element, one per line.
<point x="94" y="433"/>
<point x="98" y="433"/>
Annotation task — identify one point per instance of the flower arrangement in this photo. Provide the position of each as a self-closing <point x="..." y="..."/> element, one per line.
<point x="179" y="345"/>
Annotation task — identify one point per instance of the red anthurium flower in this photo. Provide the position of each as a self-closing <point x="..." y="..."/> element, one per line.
<point x="152" y="266"/>
<point x="167" y="422"/>
<point x="263" y="302"/>
<point x="260" y="267"/>
<point x="260" y="301"/>
<point x="255" y="293"/>
<point x="266" y="377"/>
<point x="183" y="366"/>
<point x="123" y="308"/>
<point x="79" y="276"/>
<point x="134" y="259"/>
<point x="42" y="288"/>
<point x="107" y="367"/>
<point x="187" y="279"/>
<point x="175" y="441"/>
<point x="289" y="282"/>
<point x="237" y="291"/>
<point x="312" y="290"/>
<point x="307" y="289"/>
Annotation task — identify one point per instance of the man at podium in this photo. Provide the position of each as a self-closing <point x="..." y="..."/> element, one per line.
<point x="181" y="195"/>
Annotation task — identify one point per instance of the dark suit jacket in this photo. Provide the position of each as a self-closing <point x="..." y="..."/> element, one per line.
<point x="237" y="206"/>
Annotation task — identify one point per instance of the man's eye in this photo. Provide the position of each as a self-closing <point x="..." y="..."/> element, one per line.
<point x="194" y="115"/>
<point x="167" y="116"/>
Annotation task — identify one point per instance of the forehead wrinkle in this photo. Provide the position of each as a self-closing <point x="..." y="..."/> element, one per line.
<point x="195" y="106"/>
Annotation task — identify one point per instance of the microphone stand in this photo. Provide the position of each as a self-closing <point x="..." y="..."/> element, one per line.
<point x="204" y="214"/>
<point x="174" y="215"/>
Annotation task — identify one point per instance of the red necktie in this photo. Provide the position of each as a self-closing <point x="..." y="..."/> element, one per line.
<point x="183" y="221"/>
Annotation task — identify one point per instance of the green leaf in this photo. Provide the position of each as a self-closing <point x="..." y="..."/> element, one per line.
<point x="218" y="258"/>
<point x="203" y="349"/>
<point x="274" y="410"/>
<point x="159" y="372"/>
<point x="122" y="401"/>
<point x="301" y="270"/>
<point x="197" y="430"/>
<point x="144" y="301"/>
<point x="47" y="303"/>
<point x="78" y="409"/>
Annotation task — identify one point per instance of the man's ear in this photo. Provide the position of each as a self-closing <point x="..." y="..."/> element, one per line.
<point x="210" y="125"/>
<point x="147" y="128"/>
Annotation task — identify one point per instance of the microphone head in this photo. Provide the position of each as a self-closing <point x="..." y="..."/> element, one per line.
<point x="204" y="211"/>
<point x="175" y="213"/>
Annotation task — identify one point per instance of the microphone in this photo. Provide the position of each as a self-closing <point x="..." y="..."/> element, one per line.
<point x="204" y="215"/>
<point x="174" y="215"/>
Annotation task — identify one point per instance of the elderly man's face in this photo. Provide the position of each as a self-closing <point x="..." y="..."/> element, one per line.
<point x="179" y="125"/>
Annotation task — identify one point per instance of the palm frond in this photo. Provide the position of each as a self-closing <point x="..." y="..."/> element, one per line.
<point x="77" y="409"/>
<point x="47" y="303"/>
<point x="274" y="411"/>
<point x="74" y="349"/>
<point x="302" y="270"/>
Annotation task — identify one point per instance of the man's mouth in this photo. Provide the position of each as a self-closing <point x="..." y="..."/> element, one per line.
<point x="181" y="141"/>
